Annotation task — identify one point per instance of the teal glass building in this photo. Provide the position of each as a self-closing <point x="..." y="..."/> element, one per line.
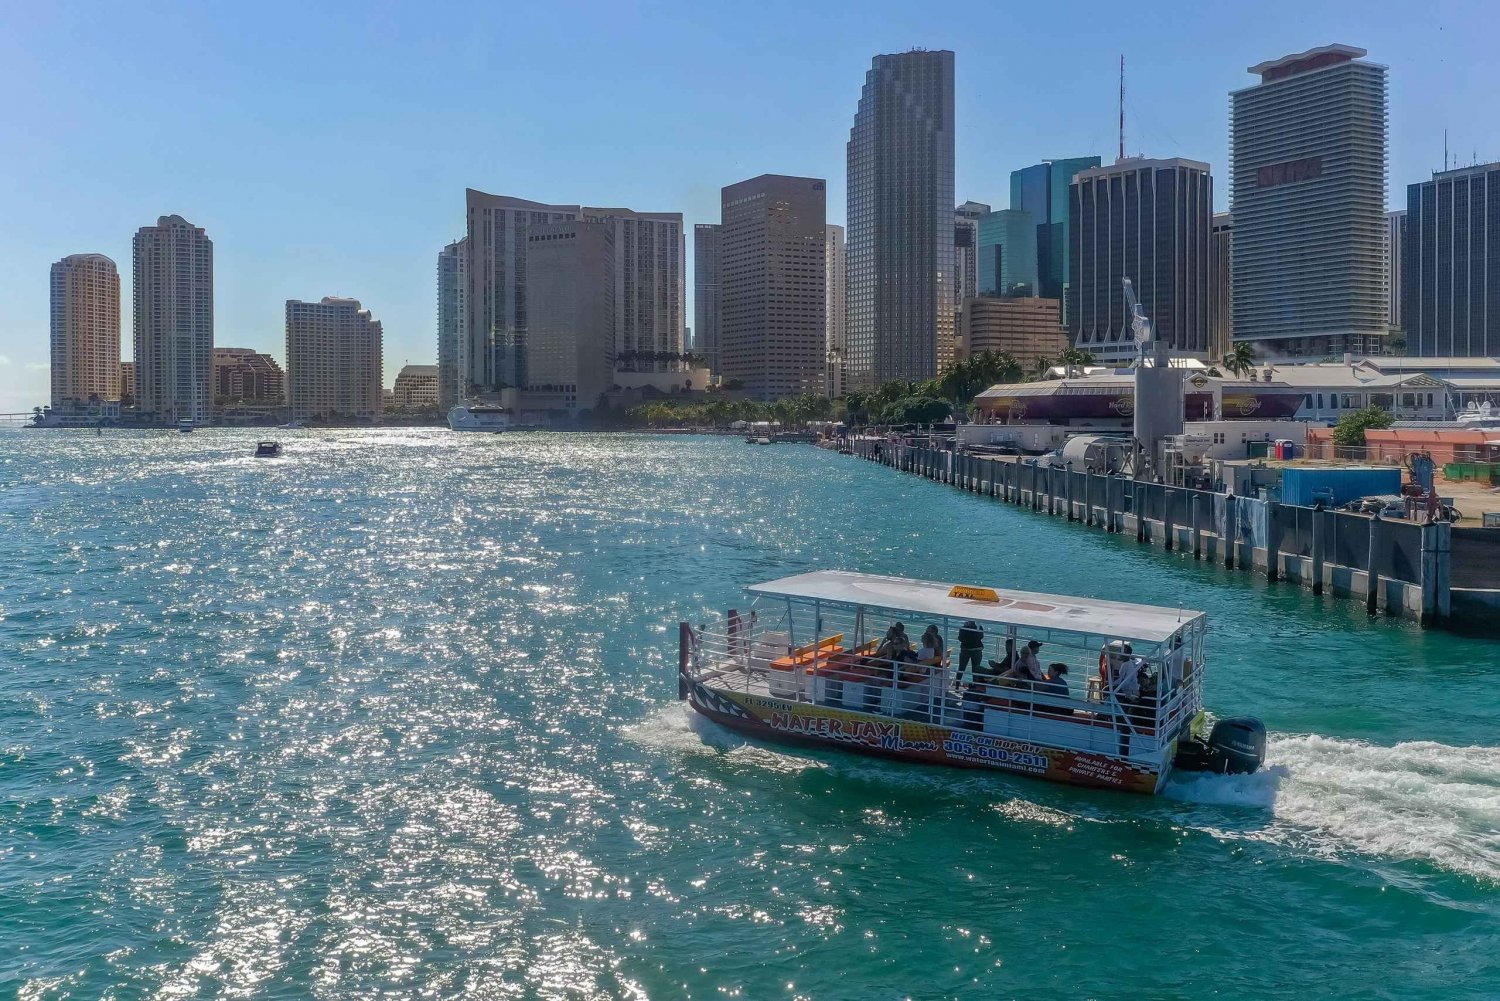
<point x="1007" y="253"/>
<point x="1042" y="191"/>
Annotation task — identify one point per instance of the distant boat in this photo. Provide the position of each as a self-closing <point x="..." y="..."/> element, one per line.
<point x="293" y="425"/>
<point x="267" y="449"/>
<point x="186" y="425"/>
<point x="474" y="417"/>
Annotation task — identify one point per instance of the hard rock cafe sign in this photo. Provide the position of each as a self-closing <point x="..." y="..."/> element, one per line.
<point x="1123" y="405"/>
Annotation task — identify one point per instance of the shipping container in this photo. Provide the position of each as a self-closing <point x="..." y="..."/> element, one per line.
<point x="1301" y="485"/>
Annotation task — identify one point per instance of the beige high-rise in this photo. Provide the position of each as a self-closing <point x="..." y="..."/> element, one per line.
<point x="333" y="360"/>
<point x="173" y="320"/>
<point x="85" y="329"/>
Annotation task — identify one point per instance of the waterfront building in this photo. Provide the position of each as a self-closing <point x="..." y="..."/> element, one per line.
<point x="1221" y="285"/>
<point x="416" y="388"/>
<point x="1029" y="328"/>
<point x="172" y="307"/>
<point x="1450" y="272"/>
<point x="1395" y="242"/>
<point x="1149" y="221"/>
<point x="333" y="360"/>
<point x="1042" y="191"/>
<point x="773" y="321"/>
<point x="246" y="376"/>
<point x="1007" y="254"/>
<point x="649" y="290"/>
<point x="706" y="293"/>
<point x="127" y="383"/>
<point x="966" y="249"/>
<point x="835" y="265"/>
<point x="85" y="330"/>
<point x="452" y="378"/>
<point x="901" y="278"/>
<point x="572" y="323"/>
<point x="1307" y="188"/>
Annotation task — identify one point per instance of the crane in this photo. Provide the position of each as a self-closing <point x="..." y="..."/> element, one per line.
<point x="1139" y="324"/>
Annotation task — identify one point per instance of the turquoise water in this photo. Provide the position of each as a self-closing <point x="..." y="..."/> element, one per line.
<point x="394" y="716"/>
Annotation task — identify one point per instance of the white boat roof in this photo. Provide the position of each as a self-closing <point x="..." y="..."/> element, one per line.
<point x="1027" y="609"/>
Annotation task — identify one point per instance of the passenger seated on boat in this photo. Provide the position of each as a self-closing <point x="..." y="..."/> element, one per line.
<point x="931" y="653"/>
<point x="1028" y="669"/>
<point x="1000" y="668"/>
<point x="1056" y="681"/>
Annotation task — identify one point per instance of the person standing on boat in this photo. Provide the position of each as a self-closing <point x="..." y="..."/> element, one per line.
<point x="970" y="653"/>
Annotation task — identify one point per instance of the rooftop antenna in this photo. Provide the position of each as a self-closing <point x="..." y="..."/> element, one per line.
<point x="1122" y="112"/>
<point x="1445" y="149"/>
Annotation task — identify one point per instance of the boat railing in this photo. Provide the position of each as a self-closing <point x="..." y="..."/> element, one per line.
<point x="828" y="672"/>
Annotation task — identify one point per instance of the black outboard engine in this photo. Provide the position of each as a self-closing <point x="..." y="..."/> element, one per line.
<point x="1234" y="747"/>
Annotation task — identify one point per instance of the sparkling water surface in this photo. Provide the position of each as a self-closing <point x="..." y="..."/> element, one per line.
<point x="394" y="716"/>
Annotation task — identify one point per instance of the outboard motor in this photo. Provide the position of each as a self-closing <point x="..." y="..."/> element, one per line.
<point x="1241" y="742"/>
<point x="1234" y="747"/>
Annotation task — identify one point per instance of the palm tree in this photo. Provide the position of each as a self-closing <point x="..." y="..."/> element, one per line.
<point x="1240" y="360"/>
<point x="1076" y="357"/>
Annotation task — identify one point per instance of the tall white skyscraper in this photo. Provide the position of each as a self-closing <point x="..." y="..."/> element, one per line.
<point x="901" y="277"/>
<point x="835" y="265"/>
<point x="452" y="372"/>
<point x="1307" y="177"/>
<point x="85" y="329"/>
<point x="333" y="360"/>
<point x="173" y="320"/>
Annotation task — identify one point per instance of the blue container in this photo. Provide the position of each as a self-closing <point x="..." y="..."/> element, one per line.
<point x="1301" y="485"/>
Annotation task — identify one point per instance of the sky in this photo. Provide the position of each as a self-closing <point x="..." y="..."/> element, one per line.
<point x="325" y="147"/>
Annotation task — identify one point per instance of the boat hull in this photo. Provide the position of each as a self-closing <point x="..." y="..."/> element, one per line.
<point x="801" y="723"/>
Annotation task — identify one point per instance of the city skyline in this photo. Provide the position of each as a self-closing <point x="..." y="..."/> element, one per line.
<point x="281" y="222"/>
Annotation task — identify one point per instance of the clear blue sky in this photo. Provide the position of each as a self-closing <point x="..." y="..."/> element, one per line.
<point x="326" y="146"/>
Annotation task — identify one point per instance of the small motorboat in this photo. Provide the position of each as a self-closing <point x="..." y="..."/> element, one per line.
<point x="186" y="426"/>
<point x="267" y="449"/>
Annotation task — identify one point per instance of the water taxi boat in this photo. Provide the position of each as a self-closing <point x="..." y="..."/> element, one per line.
<point x="1120" y="704"/>
<point x="267" y="449"/>
<point x="475" y="417"/>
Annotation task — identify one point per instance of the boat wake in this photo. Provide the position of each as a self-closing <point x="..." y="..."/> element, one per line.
<point x="1418" y="800"/>
<point x="676" y="728"/>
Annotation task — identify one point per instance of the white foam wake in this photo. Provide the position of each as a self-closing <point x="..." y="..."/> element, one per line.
<point x="1416" y="800"/>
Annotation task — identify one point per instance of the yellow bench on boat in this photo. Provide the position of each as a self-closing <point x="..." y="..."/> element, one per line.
<point x="805" y="656"/>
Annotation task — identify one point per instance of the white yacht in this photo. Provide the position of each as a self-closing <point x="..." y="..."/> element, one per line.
<point x="478" y="417"/>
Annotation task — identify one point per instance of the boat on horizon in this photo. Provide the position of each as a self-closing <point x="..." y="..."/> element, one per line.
<point x="478" y="417"/>
<point x="267" y="449"/>
<point x="806" y="664"/>
<point x="186" y="426"/>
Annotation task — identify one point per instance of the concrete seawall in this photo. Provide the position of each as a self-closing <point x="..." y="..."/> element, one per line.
<point x="1397" y="568"/>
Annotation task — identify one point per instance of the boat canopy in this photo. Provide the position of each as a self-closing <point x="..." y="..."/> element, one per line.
<point x="1118" y="619"/>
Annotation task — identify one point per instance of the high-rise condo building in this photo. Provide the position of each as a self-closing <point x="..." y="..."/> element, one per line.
<point x="835" y="273"/>
<point x="1307" y="188"/>
<point x="85" y="329"/>
<point x="571" y="328"/>
<point x="127" y="383"/>
<point x="415" y="388"/>
<point x="173" y="320"/>
<point x="901" y="284"/>
<point x="333" y="360"/>
<point x="1395" y="241"/>
<point x="247" y="376"/>
<point x="1221" y="290"/>
<point x="1450" y="270"/>
<point x="1028" y="328"/>
<point x="1042" y="191"/>
<point x="1007" y="254"/>
<point x="452" y="354"/>
<point x="966" y="249"/>
<point x="773" y="316"/>
<point x="1149" y="221"/>
<point x="706" y="293"/>
<point x="649" y="283"/>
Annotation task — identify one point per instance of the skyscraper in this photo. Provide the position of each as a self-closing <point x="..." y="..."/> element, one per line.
<point x="1221" y="281"/>
<point x="901" y="284"/>
<point x="85" y="329"/>
<point x="773" y="320"/>
<point x="1149" y="221"/>
<point x="452" y="374"/>
<point x="173" y="320"/>
<point x="1042" y="191"/>
<point x="966" y="249"/>
<point x="649" y="283"/>
<point x="1307" y="188"/>
<point x="1450" y="271"/>
<point x="571" y="302"/>
<point x="1007" y="254"/>
<point x="1395" y="241"/>
<point x="333" y="360"/>
<point x="706" y="293"/>
<point x="835" y="271"/>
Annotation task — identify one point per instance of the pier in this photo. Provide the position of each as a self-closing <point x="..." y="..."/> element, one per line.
<point x="1395" y="567"/>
